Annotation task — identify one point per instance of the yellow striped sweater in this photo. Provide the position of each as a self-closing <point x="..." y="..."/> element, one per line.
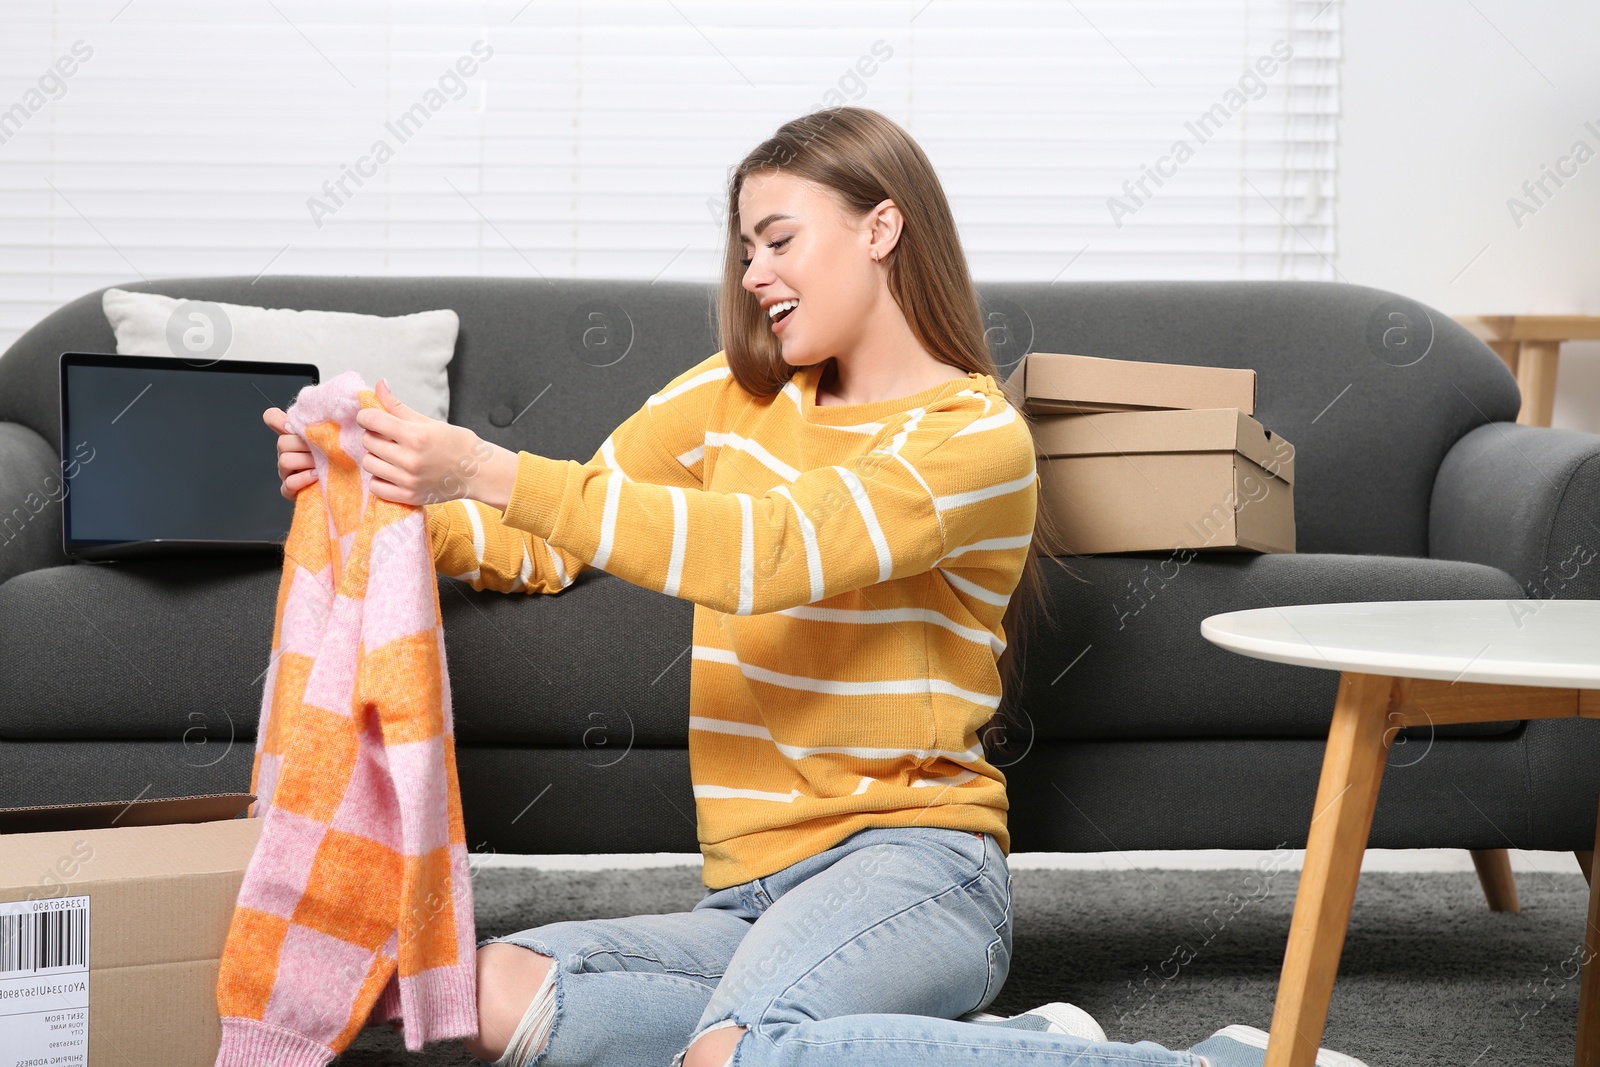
<point x="849" y="566"/>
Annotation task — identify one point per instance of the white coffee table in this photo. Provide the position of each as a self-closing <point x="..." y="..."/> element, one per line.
<point x="1409" y="663"/>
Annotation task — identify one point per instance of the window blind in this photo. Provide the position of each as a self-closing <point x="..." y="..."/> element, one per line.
<point x="1076" y="140"/>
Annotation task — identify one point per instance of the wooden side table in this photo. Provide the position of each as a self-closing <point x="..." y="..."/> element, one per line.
<point x="1531" y="347"/>
<point x="1410" y="663"/>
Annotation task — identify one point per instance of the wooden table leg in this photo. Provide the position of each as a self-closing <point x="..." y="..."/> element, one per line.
<point x="1494" y="875"/>
<point x="1536" y="378"/>
<point x="1347" y="794"/>
<point x="1588" y="1054"/>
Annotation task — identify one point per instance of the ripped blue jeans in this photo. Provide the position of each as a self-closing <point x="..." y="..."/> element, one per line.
<point x="866" y="953"/>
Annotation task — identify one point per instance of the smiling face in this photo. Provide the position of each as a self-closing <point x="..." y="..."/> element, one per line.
<point x="799" y="244"/>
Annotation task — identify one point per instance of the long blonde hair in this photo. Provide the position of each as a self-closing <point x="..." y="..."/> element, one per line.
<point x="864" y="157"/>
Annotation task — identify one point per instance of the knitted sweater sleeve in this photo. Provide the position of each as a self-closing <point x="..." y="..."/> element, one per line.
<point x="663" y="443"/>
<point x="956" y="483"/>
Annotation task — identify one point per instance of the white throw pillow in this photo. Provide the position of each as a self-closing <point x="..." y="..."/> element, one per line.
<point x="411" y="351"/>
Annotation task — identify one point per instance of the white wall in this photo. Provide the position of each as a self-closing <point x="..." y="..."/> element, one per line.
<point x="1449" y="106"/>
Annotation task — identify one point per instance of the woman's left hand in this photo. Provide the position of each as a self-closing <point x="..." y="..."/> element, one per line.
<point x="414" y="459"/>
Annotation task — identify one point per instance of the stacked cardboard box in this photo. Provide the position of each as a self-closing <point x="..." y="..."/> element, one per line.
<point x="112" y="922"/>
<point x="1138" y="456"/>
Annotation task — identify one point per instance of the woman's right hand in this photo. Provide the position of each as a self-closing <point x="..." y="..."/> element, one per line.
<point x="296" y="469"/>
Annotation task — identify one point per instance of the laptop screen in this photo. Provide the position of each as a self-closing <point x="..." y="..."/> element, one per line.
<point x="171" y="448"/>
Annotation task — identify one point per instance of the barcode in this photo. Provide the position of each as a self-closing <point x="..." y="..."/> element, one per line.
<point x="43" y="939"/>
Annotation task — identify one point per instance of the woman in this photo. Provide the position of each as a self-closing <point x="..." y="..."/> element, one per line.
<point x="849" y="500"/>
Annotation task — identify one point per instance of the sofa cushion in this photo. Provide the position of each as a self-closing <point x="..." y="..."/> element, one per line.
<point x="1088" y="796"/>
<point x="1122" y="656"/>
<point x="410" y="351"/>
<point x="179" y="648"/>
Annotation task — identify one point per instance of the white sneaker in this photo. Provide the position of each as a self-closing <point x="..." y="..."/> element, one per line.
<point x="1253" y="1038"/>
<point x="1063" y="1018"/>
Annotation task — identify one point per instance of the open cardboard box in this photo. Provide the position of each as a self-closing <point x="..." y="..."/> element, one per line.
<point x="1047" y="383"/>
<point x="1131" y="481"/>
<point x="113" y="918"/>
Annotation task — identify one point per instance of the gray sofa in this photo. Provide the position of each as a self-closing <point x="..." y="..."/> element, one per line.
<point x="144" y="679"/>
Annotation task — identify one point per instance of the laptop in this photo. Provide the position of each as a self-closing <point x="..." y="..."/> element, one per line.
<point x="169" y="456"/>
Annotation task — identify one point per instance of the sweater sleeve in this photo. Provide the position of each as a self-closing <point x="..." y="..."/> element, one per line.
<point x="663" y="442"/>
<point x="951" y="483"/>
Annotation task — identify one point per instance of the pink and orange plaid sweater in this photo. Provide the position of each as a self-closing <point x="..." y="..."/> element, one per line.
<point x="356" y="907"/>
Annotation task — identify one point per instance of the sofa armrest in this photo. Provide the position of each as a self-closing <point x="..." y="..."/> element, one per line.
<point x="31" y="491"/>
<point x="1525" y="499"/>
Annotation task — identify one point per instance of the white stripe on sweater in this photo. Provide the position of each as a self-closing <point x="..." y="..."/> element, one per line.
<point x="841" y="688"/>
<point x="745" y="729"/>
<point x="850" y="616"/>
<point x="722" y="792"/>
<point x="755" y="449"/>
<point x="880" y="543"/>
<point x="954" y="779"/>
<point x="608" y="519"/>
<point x="703" y="378"/>
<point x="975" y="496"/>
<point x="808" y="536"/>
<point x="974" y="590"/>
<point x="706" y="377"/>
<point x="991" y="544"/>
<point x="613" y="505"/>
<point x="747" y="554"/>
<point x="608" y="456"/>
<point x="561" y="568"/>
<point x="680" y="540"/>
<point x="989" y="422"/>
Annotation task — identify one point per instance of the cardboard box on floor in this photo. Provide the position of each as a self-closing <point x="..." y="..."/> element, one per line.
<point x="1053" y="383"/>
<point x="1132" y="481"/>
<point x="113" y="918"/>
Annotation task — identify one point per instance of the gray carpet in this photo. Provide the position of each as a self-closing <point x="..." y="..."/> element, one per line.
<point x="1429" y="976"/>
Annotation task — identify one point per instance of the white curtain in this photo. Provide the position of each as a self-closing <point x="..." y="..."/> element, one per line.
<point x="1076" y="139"/>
